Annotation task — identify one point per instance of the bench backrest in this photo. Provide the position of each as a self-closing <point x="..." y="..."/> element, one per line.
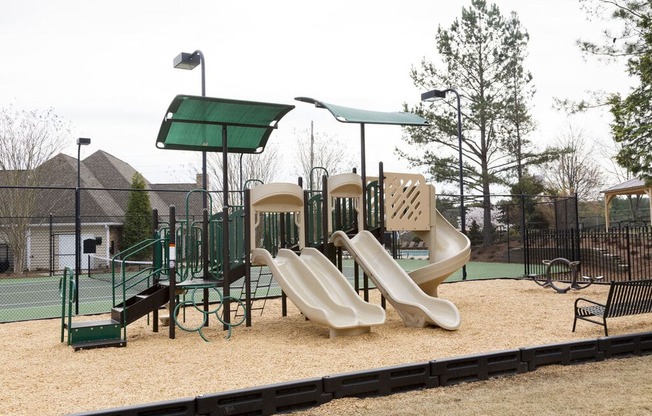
<point x="629" y="298"/>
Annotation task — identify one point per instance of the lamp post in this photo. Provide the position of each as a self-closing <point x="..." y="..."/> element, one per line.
<point x="82" y="141"/>
<point x="189" y="61"/>
<point x="434" y="95"/>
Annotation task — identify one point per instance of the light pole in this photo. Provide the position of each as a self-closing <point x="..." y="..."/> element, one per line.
<point x="189" y="61"/>
<point x="82" y="141"/>
<point x="434" y="95"/>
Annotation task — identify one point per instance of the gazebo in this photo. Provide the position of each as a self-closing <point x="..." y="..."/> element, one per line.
<point x="631" y="187"/>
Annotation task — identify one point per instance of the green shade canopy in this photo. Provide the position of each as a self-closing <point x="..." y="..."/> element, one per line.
<point x="198" y="123"/>
<point x="354" y="115"/>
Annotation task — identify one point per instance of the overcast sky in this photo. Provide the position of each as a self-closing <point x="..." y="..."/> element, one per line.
<point x="106" y="66"/>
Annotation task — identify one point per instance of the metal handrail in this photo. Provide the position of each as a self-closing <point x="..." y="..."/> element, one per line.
<point x="157" y="243"/>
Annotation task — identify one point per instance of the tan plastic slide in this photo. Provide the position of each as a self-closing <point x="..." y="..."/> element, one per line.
<point x="449" y="251"/>
<point x="320" y="291"/>
<point x="416" y="308"/>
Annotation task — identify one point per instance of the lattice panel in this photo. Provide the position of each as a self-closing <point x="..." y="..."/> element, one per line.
<point x="407" y="204"/>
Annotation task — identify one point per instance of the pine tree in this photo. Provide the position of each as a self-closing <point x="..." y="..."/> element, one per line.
<point x="631" y="41"/>
<point x="483" y="55"/>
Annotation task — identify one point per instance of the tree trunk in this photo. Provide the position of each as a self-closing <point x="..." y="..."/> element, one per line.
<point x="487" y="228"/>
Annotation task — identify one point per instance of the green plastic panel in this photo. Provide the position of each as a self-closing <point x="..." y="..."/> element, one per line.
<point x="197" y="123"/>
<point x="354" y="115"/>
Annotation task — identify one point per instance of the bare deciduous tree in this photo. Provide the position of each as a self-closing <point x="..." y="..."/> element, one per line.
<point x="243" y="169"/>
<point x="28" y="138"/>
<point x="317" y="150"/>
<point x="575" y="171"/>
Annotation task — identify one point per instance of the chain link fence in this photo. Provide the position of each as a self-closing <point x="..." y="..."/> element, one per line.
<point x="38" y="237"/>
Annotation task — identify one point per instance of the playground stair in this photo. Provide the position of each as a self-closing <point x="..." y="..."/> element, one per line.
<point x="141" y="304"/>
<point x="95" y="334"/>
<point x="108" y="332"/>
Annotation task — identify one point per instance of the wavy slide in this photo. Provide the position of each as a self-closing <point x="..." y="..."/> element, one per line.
<point x="450" y="250"/>
<point x="416" y="308"/>
<point x="320" y="291"/>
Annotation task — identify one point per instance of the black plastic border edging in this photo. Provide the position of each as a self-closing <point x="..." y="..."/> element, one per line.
<point x="302" y="394"/>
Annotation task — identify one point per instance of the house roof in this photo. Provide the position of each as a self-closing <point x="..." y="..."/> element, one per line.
<point x="107" y="180"/>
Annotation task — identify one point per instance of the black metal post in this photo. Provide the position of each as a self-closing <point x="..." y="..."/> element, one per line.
<point x="51" y="246"/>
<point x="82" y="141"/>
<point x="205" y="260"/>
<point x="459" y="145"/>
<point x="247" y="259"/>
<point x="381" y="202"/>
<point x="363" y="175"/>
<point x="77" y="233"/>
<point x="442" y="94"/>
<point x="187" y="61"/>
<point x="173" y="268"/>
<point x="156" y="265"/>
<point x="381" y="215"/>
<point x="325" y="216"/>
<point x="204" y="179"/>
<point x="226" y="261"/>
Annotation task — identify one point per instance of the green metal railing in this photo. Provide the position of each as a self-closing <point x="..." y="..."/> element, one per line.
<point x="68" y="293"/>
<point x="314" y="218"/>
<point x="373" y="205"/>
<point x="148" y="275"/>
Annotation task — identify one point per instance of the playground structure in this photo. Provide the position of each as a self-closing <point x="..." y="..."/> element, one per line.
<point x="274" y="223"/>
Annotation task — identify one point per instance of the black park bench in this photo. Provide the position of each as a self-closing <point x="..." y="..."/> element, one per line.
<point x="625" y="298"/>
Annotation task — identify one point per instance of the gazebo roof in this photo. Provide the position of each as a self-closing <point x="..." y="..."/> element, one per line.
<point x="632" y="186"/>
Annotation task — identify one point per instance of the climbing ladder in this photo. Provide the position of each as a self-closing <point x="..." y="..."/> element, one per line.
<point x="260" y="287"/>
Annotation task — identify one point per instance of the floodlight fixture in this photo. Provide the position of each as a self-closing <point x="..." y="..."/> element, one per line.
<point x="433" y="95"/>
<point x="187" y="60"/>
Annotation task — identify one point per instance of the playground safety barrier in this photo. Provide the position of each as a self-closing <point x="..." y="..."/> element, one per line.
<point x="296" y="395"/>
<point x="618" y="254"/>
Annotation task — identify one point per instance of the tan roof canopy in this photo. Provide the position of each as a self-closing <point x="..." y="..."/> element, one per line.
<point x="631" y="187"/>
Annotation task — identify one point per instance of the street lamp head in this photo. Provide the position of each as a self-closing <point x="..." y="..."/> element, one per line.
<point x="83" y="141"/>
<point x="433" y="95"/>
<point x="186" y="60"/>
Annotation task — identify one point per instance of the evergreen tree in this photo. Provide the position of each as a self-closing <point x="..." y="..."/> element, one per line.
<point x="632" y="41"/>
<point x="137" y="226"/>
<point x="483" y="55"/>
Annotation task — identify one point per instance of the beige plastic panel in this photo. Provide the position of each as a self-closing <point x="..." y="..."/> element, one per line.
<point x="344" y="185"/>
<point x="276" y="197"/>
<point x="407" y="202"/>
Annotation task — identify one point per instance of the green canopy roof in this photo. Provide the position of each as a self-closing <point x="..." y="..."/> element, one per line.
<point x="198" y="123"/>
<point x="354" y="115"/>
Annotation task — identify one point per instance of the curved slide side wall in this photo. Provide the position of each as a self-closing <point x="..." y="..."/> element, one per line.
<point x="450" y="250"/>
<point x="416" y="308"/>
<point x="318" y="293"/>
<point x="339" y="287"/>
